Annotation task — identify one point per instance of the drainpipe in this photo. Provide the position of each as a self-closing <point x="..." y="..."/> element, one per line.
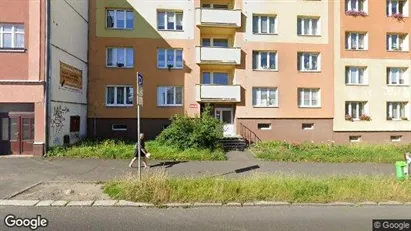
<point x="47" y="77"/>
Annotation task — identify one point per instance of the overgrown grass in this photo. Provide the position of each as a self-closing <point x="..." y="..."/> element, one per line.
<point x="113" y="149"/>
<point x="158" y="188"/>
<point x="309" y="152"/>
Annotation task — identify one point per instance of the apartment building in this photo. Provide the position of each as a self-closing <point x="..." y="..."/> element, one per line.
<point x="372" y="71"/>
<point x="266" y="67"/>
<point x="43" y="74"/>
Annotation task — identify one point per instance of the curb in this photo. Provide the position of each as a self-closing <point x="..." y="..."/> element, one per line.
<point x="124" y="203"/>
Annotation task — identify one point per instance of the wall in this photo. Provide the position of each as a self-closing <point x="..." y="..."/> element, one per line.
<point x="72" y="50"/>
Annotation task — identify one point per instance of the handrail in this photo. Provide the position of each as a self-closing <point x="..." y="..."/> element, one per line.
<point x="249" y="137"/>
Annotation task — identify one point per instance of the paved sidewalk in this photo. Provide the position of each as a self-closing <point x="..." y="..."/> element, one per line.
<point x="19" y="173"/>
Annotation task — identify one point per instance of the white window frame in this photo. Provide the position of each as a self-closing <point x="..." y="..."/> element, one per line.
<point x="115" y="96"/>
<point x="166" y="50"/>
<point x="115" y="19"/>
<point x="119" y="129"/>
<point x="212" y="77"/>
<point x="311" y="92"/>
<point x="268" y="24"/>
<point x="257" y="100"/>
<point x="360" y="73"/>
<point x="401" y="42"/>
<point x="396" y="138"/>
<point x="396" y="3"/>
<point x="174" y="16"/>
<point x="14" y="34"/>
<point x="392" y="74"/>
<point x="357" y="45"/>
<point x="301" y="56"/>
<point x="355" y="140"/>
<point x="257" y="55"/>
<point x="211" y="6"/>
<point x="310" y="127"/>
<point x="264" y="128"/>
<point x="358" y="105"/>
<point x="399" y="106"/>
<point x="114" y="57"/>
<point x="174" y="98"/>
<point x="359" y="5"/>
<point x="212" y="42"/>
<point x="310" y="21"/>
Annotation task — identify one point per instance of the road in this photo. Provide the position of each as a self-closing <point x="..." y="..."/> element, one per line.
<point x="222" y="218"/>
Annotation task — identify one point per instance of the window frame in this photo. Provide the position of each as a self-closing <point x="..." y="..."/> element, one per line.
<point x="115" y="27"/>
<point x="355" y="140"/>
<point x="119" y="129"/>
<point x="389" y="7"/>
<point x="212" y="42"/>
<point x="75" y="121"/>
<point x="401" y="40"/>
<point x="348" y="41"/>
<point x="311" y="92"/>
<point x="402" y="108"/>
<point x="257" y="96"/>
<point x="396" y="138"/>
<point x="174" y="58"/>
<point x="174" y="96"/>
<point x="301" y="58"/>
<point x="401" y="76"/>
<point x="259" y="32"/>
<point x="358" y="70"/>
<point x="360" y="5"/>
<point x="114" y="57"/>
<point x="166" y="16"/>
<point x="256" y="59"/>
<point x="360" y="106"/>
<point x="301" y="23"/>
<point x="212" y="77"/>
<point x="115" y="96"/>
<point x="14" y="33"/>
<point x="259" y="127"/>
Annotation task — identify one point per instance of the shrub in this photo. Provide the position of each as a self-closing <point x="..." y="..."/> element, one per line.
<point x="199" y="132"/>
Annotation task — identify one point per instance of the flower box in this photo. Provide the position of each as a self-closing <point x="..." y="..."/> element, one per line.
<point x="398" y="16"/>
<point x="356" y="13"/>
<point x="365" y="118"/>
<point x="349" y="118"/>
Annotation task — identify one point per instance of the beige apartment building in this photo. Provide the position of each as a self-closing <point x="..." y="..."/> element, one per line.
<point x="272" y="70"/>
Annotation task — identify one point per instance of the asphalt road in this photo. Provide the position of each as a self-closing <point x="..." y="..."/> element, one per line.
<point x="246" y="218"/>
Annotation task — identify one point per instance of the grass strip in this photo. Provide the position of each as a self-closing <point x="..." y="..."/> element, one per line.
<point x="158" y="188"/>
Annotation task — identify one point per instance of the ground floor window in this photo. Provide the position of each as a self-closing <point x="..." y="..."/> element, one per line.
<point x="74" y="123"/>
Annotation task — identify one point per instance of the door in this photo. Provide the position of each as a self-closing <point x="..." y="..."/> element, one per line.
<point x="225" y="115"/>
<point x="17" y="134"/>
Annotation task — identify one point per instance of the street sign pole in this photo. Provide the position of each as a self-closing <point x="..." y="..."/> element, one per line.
<point x="138" y="125"/>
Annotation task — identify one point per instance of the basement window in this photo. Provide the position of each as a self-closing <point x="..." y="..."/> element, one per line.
<point x="74" y="123"/>
<point x="119" y="127"/>
<point x="264" y="126"/>
<point x="308" y="126"/>
<point x="396" y="138"/>
<point x="355" y="139"/>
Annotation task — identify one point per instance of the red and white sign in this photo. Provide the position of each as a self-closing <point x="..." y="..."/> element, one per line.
<point x="194" y="105"/>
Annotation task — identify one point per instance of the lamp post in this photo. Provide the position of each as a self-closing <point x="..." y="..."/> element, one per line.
<point x="139" y="84"/>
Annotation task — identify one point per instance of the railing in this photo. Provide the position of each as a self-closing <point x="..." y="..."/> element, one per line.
<point x="249" y="135"/>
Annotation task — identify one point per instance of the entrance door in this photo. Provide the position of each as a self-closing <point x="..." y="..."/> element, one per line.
<point x="17" y="134"/>
<point x="225" y="115"/>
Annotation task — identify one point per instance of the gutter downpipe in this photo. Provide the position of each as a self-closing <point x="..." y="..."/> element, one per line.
<point x="48" y="78"/>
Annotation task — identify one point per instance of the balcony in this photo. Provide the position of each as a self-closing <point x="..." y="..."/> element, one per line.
<point x="218" y="55"/>
<point x="218" y="93"/>
<point x="218" y="18"/>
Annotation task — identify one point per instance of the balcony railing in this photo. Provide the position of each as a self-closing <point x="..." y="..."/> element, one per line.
<point x="218" y="55"/>
<point x="218" y="17"/>
<point x="218" y="93"/>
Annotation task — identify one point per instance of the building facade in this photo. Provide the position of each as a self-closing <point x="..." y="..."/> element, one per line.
<point x="296" y="70"/>
<point x="43" y="74"/>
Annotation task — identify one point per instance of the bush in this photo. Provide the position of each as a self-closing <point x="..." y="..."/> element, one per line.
<point x="199" y="133"/>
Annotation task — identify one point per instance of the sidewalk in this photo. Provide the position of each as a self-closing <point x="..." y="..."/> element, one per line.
<point x="19" y="173"/>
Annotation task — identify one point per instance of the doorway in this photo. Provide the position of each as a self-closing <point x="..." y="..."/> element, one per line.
<point x="17" y="134"/>
<point x="225" y="115"/>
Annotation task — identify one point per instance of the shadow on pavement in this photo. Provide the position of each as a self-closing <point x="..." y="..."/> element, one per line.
<point x="168" y="164"/>
<point x="239" y="170"/>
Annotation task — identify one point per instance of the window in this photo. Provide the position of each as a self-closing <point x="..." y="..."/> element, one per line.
<point x="119" y="96"/>
<point x="309" y="97"/>
<point x="397" y="7"/>
<point x="355" y="138"/>
<point x="355" y="109"/>
<point x="120" y="19"/>
<point x="396" y="111"/>
<point x="264" y="24"/>
<point x="265" y="97"/>
<point x="308" y="126"/>
<point x="120" y="57"/>
<point x="356" y="41"/>
<point x="169" y="96"/>
<point x="119" y="127"/>
<point x="308" y="61"/>
<point x="74" y="123"/>
<point x="215" y="42"/>
<point x="355" y="75"/>
<point x="264" y="126"/>
<point x="264" y="60"/>
<point x="396" y="76"/>
<point x="308" y="26"/>
<point x="169" y="20"/>
<point x="396" y="138"/>
<point x="215" y="6"/>
<point x="170" y="58"/>
<point x="356" y="5"/>
<point x="217" y="78"/>
<point x="397" y="42"/>
<point x="11" y="36"/>
<point x="4" y="129"/>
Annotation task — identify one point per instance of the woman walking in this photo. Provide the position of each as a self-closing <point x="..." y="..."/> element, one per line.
<point x="143" y="153"/>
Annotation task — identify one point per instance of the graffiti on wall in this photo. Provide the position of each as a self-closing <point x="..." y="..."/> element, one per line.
<point x="57" y="121"/>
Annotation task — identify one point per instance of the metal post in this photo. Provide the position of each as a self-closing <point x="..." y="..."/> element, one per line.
<point x="138" y="128"/>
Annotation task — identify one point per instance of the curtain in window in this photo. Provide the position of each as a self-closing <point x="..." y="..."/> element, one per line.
<point x="255" y="24"/>
<point x="179" y="95"/>
<point x="264" y="22"/>
<point x="130" y="95"/>
<point x="161" y="58"/>
<point x="170" y="20"/>
<point x="272" y="61"/>
<point x="179" y="58"/>
<point x="120" y="56"/>
<point x="110" y="95"/>
<point x="120" y="95"/>
<point x="161" y="21"/>
<point x="170" y="57"/>
<point x="110" y="18"/>
<point x="179" y="21"/>
<point x="130" y="57"/>
<point x="170" y="95"/>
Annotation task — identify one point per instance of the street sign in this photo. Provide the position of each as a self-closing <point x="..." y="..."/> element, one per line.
<point x="140" y="79"/>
